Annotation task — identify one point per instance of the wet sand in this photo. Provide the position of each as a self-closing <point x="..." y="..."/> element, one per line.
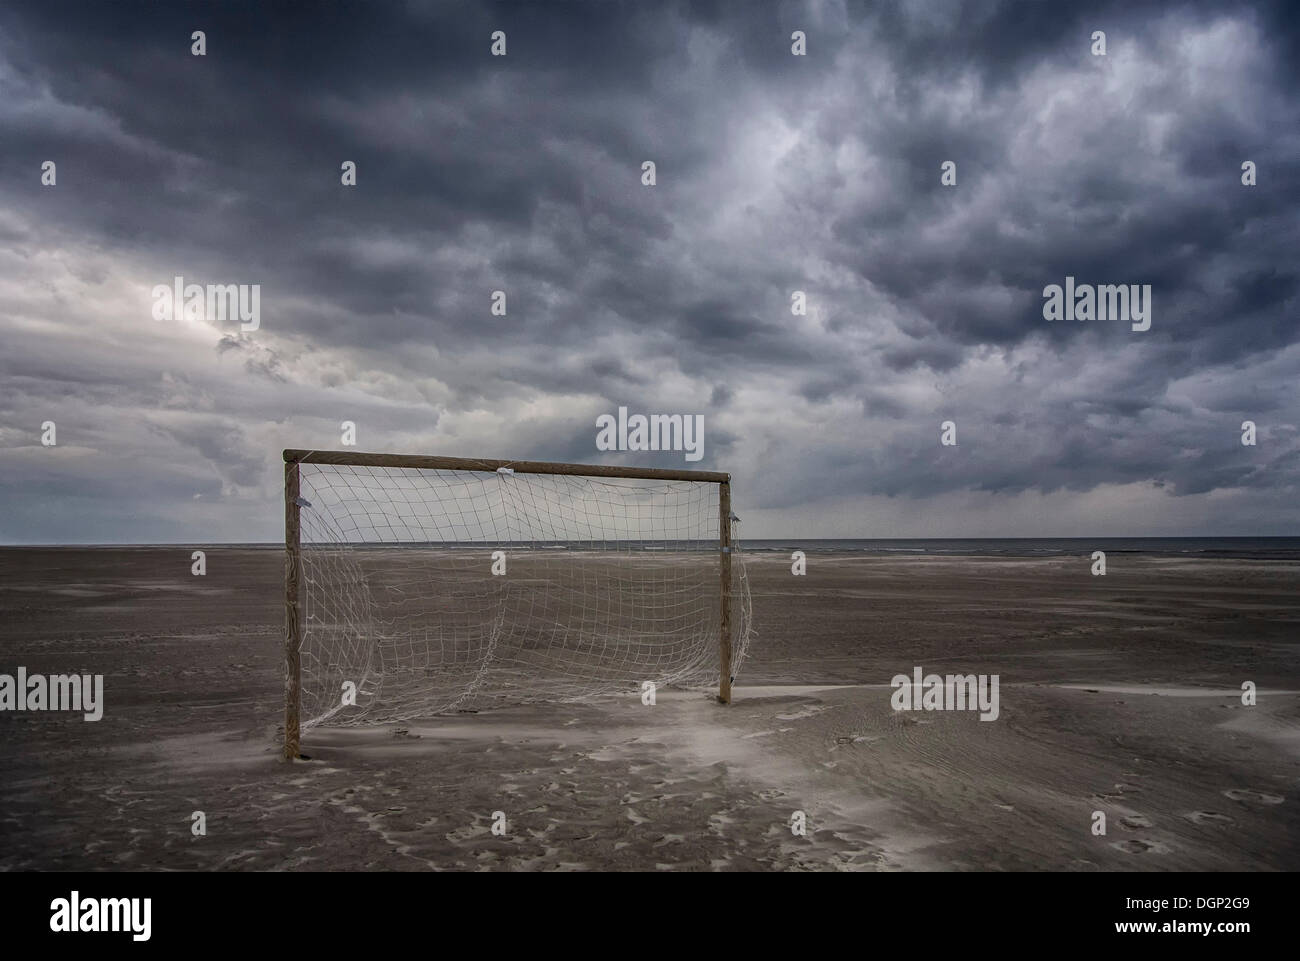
<point x="1118" y="694"/>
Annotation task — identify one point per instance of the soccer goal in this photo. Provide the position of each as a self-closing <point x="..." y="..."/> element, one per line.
<point x="417" y="586"/>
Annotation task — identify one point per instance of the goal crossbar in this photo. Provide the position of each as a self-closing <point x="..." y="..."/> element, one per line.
<point x="369" y="477"/>
<point x="358" y="459"/>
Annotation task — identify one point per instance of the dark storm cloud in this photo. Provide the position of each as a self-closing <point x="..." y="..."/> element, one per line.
<point x="776" y="174"/>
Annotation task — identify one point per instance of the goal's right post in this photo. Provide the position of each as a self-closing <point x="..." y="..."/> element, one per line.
<point x="292" y="611"/>
<point x="724" y="531"/>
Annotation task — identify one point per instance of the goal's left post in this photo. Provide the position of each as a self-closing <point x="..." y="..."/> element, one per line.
<point x="292" y="610"/>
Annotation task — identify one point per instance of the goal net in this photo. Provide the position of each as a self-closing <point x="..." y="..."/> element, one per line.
<point x="425" y="590"/>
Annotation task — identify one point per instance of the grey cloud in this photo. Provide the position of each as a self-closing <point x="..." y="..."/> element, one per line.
<point x="775" y="173"/>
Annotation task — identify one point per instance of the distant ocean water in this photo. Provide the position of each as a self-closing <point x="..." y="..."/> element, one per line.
<point x="1267" y="548"/>
<point x="1276" y="548"/>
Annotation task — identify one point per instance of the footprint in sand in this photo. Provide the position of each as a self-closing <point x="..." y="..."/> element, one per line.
<point x="1141" y="847"/>
<point x="462" y="834"/>
<point x="1238" y="794"/>
<point x="810" y="711"/>
<point x="1135" y="822"/>
<point x="1120" y="791"/>
<point x="1209" y="817"/>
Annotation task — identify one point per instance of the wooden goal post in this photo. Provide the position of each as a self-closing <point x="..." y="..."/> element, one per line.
<point x="293" y="581"/>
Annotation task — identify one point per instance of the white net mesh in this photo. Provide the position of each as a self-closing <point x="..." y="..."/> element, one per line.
<point x="607" y="583"/>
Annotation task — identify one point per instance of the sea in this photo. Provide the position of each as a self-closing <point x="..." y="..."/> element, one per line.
<point x="1264" y="548"/>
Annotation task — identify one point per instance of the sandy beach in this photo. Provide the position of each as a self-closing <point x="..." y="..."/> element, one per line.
<point x="1119" y="694"/>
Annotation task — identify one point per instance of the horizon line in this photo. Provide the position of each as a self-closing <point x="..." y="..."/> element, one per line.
<point x="278" y="543"/>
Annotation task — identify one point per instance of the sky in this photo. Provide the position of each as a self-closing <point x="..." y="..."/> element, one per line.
<point x="774" y="173"/>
